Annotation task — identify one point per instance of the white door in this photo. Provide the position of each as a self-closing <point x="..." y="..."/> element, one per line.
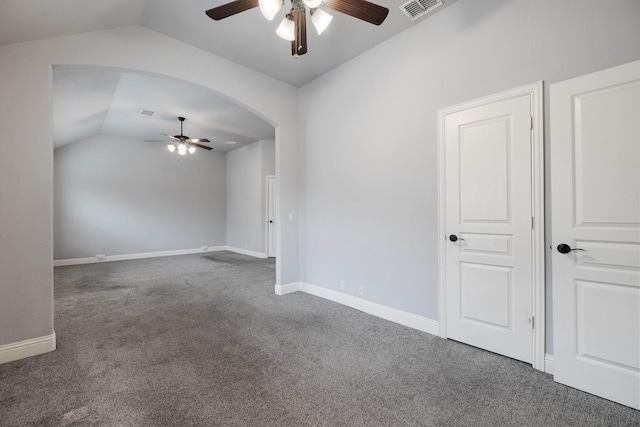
<point x="271" y="216"/>
<point x="595" y="181"/>
<point x="488" y="216"/>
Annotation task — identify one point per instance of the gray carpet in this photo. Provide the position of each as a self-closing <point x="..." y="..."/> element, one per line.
<point x="201" y="340"/>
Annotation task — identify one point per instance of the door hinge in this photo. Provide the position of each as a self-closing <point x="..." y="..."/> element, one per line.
<point x="533" y="322"/>
<point x="531" y="123"/>
<point x="532" y="222"/>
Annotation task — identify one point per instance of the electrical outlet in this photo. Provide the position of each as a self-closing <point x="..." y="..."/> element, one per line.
<point x="291" y="217"/>
<point x="343" y="285"/>
<point x="361" y="290"/>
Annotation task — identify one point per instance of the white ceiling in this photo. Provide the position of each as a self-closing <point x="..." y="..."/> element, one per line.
<point x="246" y="38"/>
<point x="95" y="100"/>
<point x="91" y="100"/>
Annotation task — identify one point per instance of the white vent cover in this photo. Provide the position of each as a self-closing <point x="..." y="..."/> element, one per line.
<point x="414" y="9"/>
<point x="147" y="112"/>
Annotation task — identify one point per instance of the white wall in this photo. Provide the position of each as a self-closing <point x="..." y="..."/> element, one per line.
<point x="368" y="159"/>
<point x="26" y="174"/>
<point x="247" y="168"/>
<point x="117" y="196"/>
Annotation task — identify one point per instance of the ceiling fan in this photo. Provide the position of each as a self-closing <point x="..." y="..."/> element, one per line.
<point x="294" y="25"/>
<point x="183" y="143"/>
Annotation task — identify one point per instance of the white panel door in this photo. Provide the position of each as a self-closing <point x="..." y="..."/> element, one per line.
<point x="595" y="178"/>
<point x="271" y="216"/>
<point x="488" y="205"/>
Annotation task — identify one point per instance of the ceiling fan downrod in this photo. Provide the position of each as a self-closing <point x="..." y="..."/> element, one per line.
<point x="299" y="43"/>
<point x="182" y="119"/>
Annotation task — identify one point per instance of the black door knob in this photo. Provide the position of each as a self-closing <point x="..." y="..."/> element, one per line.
<point x="453" y="238"/>
<point x="563" y="248"/>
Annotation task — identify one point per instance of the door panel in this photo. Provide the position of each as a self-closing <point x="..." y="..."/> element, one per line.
<point x="485" y="294"/>
<point x="595" y="176"/>
<point x="488" y="208"/>
<point x="484" y="180"/>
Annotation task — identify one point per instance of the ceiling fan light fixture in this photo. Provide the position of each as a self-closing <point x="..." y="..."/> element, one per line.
<point x="192" y="150"/>
<point x="269" y="8"/>
<point x="172" y="147"/>
<point x="312" y="4"/>
<point x="182" y="148"/>
<point x="320" y="20"/>
<point x="286" y="29"/>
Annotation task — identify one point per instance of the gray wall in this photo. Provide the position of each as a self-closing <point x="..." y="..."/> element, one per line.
<point x="26" y="174"/>
<point x="119" y="196"/>
<point x="369" y="212"/>
<point x="246" y="170"/>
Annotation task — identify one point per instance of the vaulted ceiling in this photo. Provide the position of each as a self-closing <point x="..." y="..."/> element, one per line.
<point x="95" y="100"/>
<point x="89" y="100"/>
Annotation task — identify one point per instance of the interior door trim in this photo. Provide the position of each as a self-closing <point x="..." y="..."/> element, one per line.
<point x="535" y="90"/>
<point x="267" y="240"/>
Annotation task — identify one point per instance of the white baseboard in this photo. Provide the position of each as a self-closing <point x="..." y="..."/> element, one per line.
<point x="288" y="288"/>
<point x="414" y="321"/>
<point x="246" y="252"/>
<point x="548" y="364"/>
<point x="27" y="348"/>
<point x="125" y="257"/>
<point x="74" y="261"/>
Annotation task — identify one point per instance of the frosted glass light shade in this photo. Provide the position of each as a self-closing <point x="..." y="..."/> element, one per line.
<point x="320" y="20"/>
<point x="286" y="29"/>
<point x="182" y="148"/>
<point x="172" y="147"/>
<point x="192" y="150"/>
<point x="312" y="4"/>
<point x="269" y="8"/>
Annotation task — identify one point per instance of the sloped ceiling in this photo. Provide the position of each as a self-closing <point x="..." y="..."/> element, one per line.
<point x="95" y="100"/>
<point x="246" y="38"/>
<point x="90" y="100"/>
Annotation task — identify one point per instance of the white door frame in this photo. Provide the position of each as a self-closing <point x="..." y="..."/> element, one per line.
<point x="267" y="240"/>
<point x="535" y="90"/>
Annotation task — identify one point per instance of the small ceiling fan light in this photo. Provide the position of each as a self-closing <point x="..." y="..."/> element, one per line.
<point x="312" y="4"/>
<point x="192" y="150"/>
<point x="286" y="29"/>
<point x="182" y="148"/>
<point x="320" y="20"/>
<point x="172" y="147"/>
<point x="269" y="8"/>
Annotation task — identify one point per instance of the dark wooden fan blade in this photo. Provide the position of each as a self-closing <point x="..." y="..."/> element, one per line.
<point x="360" y="9"/>
<point x="226" y="10"/>
<point x="299" y="44"/>
<point x="170" y="136"/>
<point x="192" y="140"/>
<point x="200" y="145"/>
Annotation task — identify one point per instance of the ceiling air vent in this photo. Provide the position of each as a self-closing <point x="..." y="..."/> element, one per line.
<point x="414" y="9"/>
<point x="147" y="112"/>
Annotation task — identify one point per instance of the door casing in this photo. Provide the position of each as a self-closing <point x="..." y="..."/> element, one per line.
<point x="270" y="216"/>
<point x="535" y="90"/>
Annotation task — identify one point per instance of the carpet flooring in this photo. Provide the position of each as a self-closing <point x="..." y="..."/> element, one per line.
<point x="202" y="340"/>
